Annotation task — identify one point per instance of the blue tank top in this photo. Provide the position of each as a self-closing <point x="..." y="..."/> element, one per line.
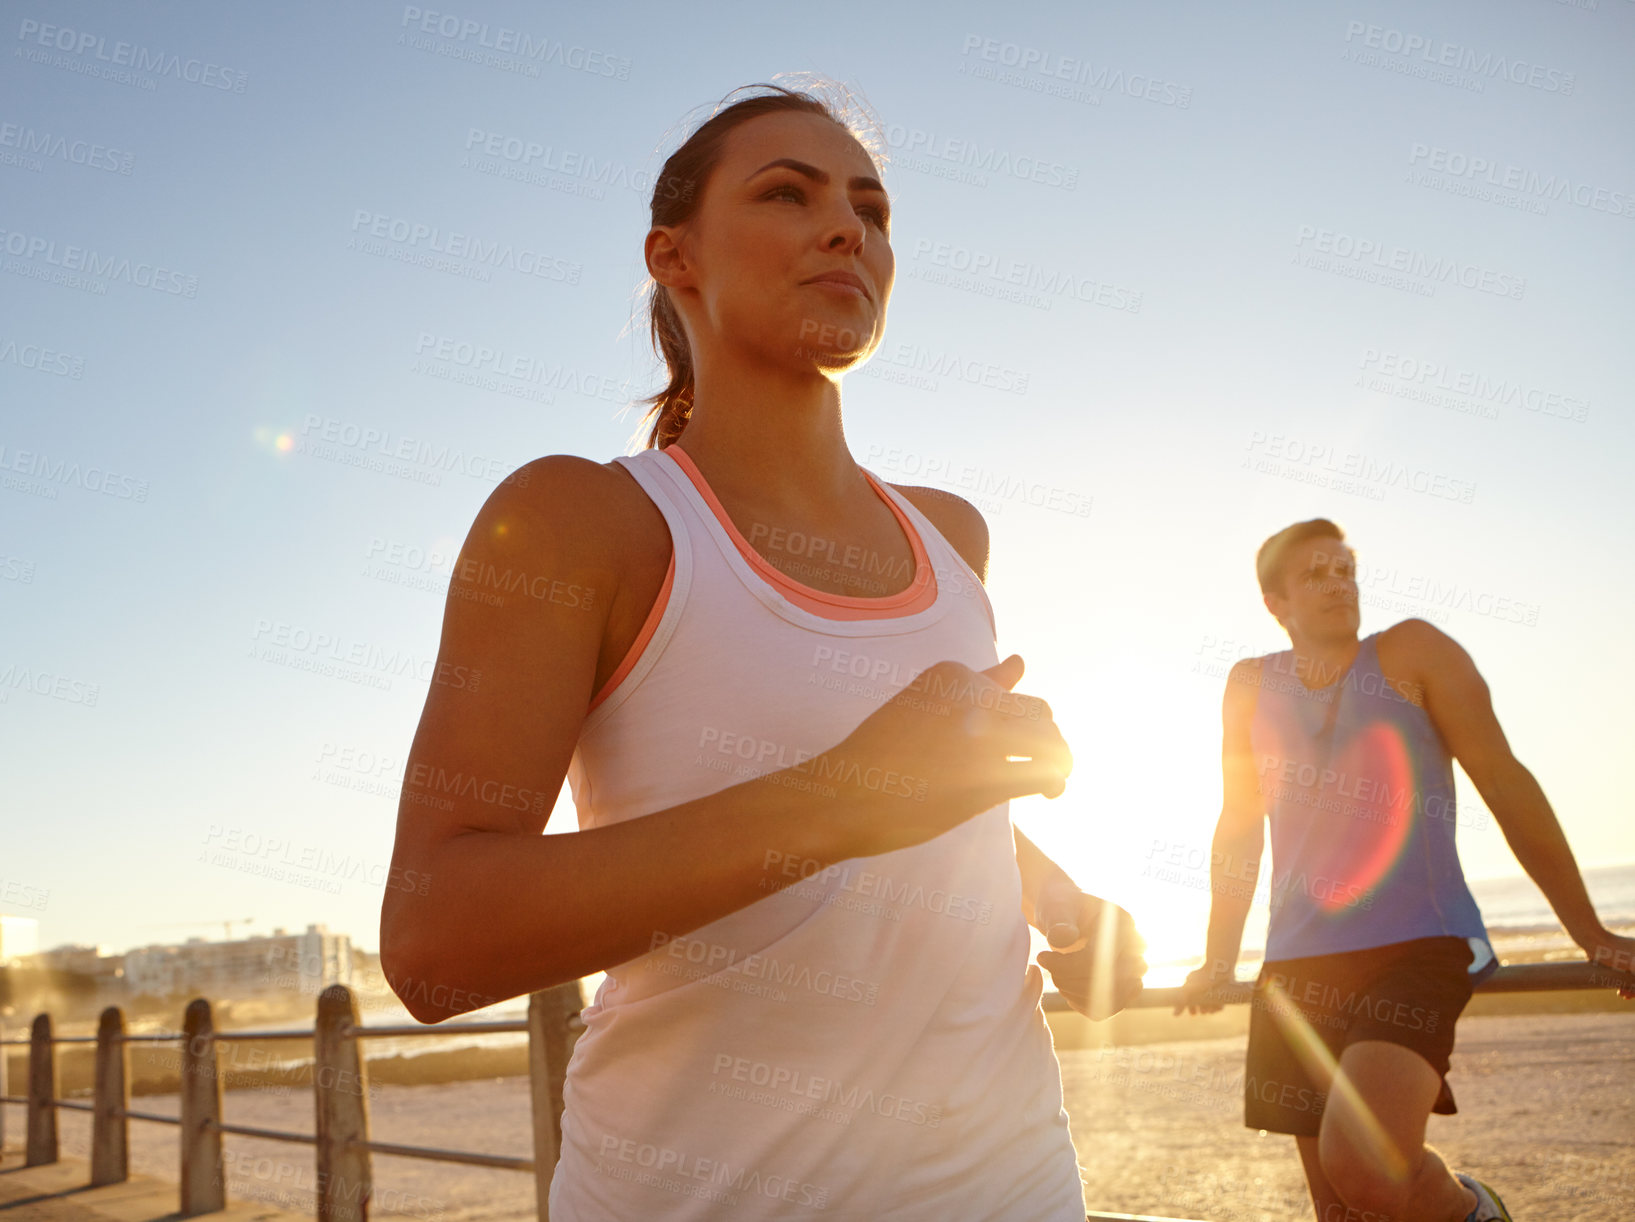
<point x="1359" y="788"/>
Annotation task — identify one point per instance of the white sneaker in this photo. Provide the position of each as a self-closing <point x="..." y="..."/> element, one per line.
<point x="1488" y="1206"/>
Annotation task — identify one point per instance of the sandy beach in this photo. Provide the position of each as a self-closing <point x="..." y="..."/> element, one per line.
<point x="1546" y="1114"/>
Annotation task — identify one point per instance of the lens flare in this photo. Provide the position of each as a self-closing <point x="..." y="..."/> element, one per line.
<point x="1368" y="1134"/>
<point x="269" y="438"/>
<point x="1379" y="768"/>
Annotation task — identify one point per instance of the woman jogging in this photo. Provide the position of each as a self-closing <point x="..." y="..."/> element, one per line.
<point x="771" y="683"/>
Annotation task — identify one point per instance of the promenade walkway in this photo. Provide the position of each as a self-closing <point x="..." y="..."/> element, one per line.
<point x="57" y="1192"/>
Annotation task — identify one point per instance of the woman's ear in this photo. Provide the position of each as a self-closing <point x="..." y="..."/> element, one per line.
<point x="667" y="263"/>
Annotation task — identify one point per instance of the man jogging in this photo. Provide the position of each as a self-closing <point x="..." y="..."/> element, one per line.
<point x="1375" y="942"/>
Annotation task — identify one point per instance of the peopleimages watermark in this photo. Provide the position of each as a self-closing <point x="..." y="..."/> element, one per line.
<point x="797" y="1089"/>
<point x="1448" y="63"/>
<point x="501" y="46"/>
<point x="41" y="359"/>
<point x="1443" y="385"/>
<point x="1515" y="186"/>
<point x="16" y="568"/>
<point x="361" y="662"/>
<point x="921" y="150"/>
<point x="36" y="466"/>
<point x="111" y="60"/>
<point x="928" y="688"/>
<point x="379" y="449"/>
<point x="1419" y="595"/>
<point x="451" y="250"/>
<point x="522" y="159"/>
<point x="490" y="366"/>
<point x="1055" y="75"/>
<point x="990" y="490"/>
<point x="1200" y="1084"/>
<point x="773" y="762"/>
<point x="1016" y="280"/>
<point x="83" y="268"/>
<point x="1219" y="872"/>
<point x="1336" y="1007"/>
<point x="18" y="677"/>
<point x="279" y="856"/>
<point x="914" y="364"/>
<point x="363" y="771"/>
<point x="709" y="1179"/>
<point x="1582" y="1179"/>
<point x="74" y="150"/>
<point x="291" y="1182"/>
<point x="470" y="578"/>
<point x="838" y="884"/>
<point x="1378" y="797"/>
<point x="14" y="894"/>
<point x="757" y="974"/>
<point x="233" y="1060"/>
<point x="1325" y="466"/>
<point x="1398" y="267"/>
<point x="804" y="556"/>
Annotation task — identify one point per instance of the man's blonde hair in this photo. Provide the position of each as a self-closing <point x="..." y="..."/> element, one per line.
<point x="1269" y="560"/>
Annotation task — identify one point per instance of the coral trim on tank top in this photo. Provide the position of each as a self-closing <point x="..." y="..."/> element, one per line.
<point x="642" y="637"/>
<point x="920" y="594"/>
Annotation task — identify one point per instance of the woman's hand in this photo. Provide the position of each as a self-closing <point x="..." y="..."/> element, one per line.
<point x="1096" y="960"/>
<point x="936" y="754"/>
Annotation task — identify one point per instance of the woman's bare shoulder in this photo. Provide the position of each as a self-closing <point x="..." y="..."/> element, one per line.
<point x="956" y="519"/>
<point x="586" y="504"/>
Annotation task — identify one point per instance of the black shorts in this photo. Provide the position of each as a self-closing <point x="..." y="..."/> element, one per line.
<point x="1407" y="993"/>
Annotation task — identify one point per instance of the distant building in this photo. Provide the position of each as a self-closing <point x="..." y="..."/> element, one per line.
<point x="98" y="976"/>
<point x="246" y="967"/>
<point x="19" y="936"/>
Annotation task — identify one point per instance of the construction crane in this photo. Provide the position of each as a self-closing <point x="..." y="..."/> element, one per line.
<point x="227" y="925"/>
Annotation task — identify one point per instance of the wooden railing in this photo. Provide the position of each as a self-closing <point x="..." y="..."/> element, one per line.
<point x="340" y="1085"/>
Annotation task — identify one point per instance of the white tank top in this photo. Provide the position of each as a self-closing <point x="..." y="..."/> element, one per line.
<point x="866" y="1043"/>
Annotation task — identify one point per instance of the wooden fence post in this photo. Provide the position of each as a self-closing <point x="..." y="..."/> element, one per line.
<point x="341" y="1088"/>
<point x="549" y="1040"/>
<point x="204" y="1188"/>
<point x="110" y="1130"/>
<point x="42" y="1093"/>
<point x="5" y="1056"/>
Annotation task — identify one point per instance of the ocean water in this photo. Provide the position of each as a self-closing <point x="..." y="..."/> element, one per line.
<point x="1516" y="907"/>
<point x="1519" y="921"/>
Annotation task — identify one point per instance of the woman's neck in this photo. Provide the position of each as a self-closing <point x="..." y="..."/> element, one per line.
<point x="763" y="435"/>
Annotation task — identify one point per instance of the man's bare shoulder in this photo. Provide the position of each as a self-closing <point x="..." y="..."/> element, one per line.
<point x="1416" y="643"/>
<point x="1416" y="656"/>
<point x="1245" y="674"/>
<point x="1415" y="633"/>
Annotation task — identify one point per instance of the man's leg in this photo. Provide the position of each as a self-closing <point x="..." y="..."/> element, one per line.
<point x="1327" y="1202"/>
<point x="1371" y="1150"/>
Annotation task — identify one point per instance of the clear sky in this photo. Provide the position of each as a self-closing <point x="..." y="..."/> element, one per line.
<point x="1170" y="276"/>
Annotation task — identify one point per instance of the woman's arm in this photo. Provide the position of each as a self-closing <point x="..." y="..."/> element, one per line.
<point x="500" y="910"/>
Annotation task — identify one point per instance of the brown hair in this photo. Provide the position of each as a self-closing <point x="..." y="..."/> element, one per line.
<point x="1269" y="560"/>
<point x="676" y="194"/>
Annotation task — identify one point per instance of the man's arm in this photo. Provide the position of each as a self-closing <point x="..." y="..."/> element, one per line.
<point x="1461" y="708"/>
<point x="1240" y="837"/>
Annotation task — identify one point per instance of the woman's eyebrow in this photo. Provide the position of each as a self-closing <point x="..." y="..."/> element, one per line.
<point x="821" y="177"/>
